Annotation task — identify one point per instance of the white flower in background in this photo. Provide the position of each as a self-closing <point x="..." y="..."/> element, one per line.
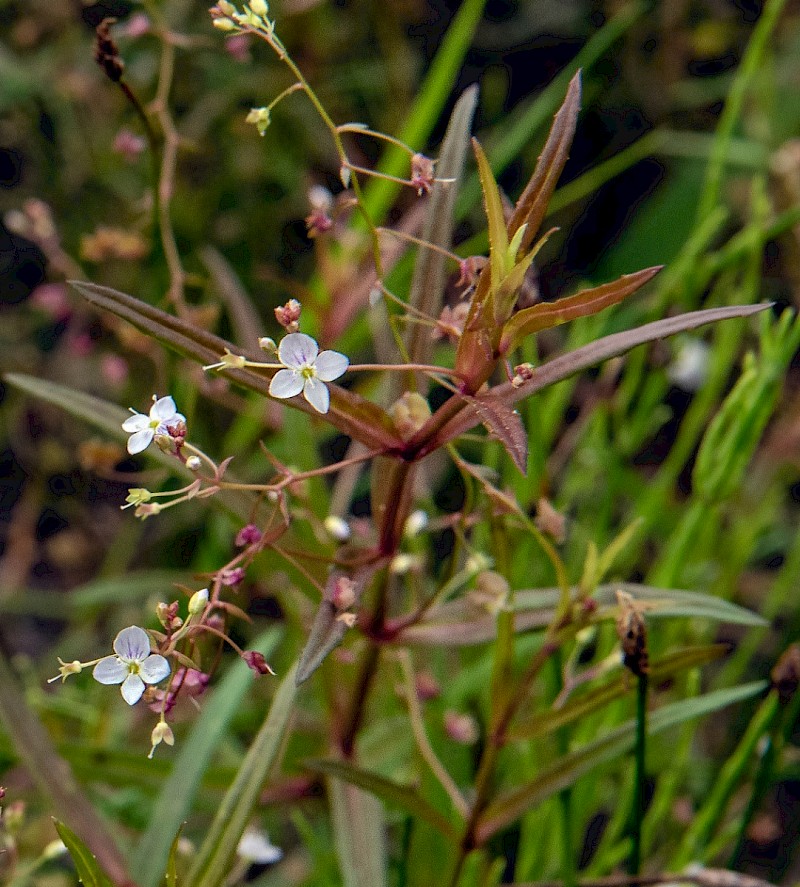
<point x="143" y="429"/>
<point x="133" y="666"/>
<point x="255" y="846"/>
<point x="689" y="369"/>
<point x="306" y="370"/>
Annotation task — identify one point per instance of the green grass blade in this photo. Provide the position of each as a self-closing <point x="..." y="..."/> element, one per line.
<point x="564" y="772"/>
<point x="432" y="96"/>
<point x="212" y="863"/>
<point x="86" y="865"/>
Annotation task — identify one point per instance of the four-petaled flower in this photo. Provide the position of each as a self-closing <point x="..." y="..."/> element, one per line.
<point x="306" y="370"/>
<point x="133" y="666"/>
<point x="143" y="429"/>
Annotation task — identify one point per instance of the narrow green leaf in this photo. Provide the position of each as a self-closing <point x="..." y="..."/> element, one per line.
<point x="532" y="204"/>
<point x="89" y="872"/>
<point x="360" y="835"/>
<point x="171" y="876"/>
<point x="493" y="205"/>
<point x="327" y="632"/>
<point x="424" y="113"/>
<point x="194" y="756"/>
<point x="213" y="860"/>
<point x="510" y="805"/>
<point x="351" y="414"/>
<point x="405" y="797"/>
<point x="427" y="284"/>
<point x="590" y="301"/>
<point x="598" y="697"/>
<point x="52" y="775"/>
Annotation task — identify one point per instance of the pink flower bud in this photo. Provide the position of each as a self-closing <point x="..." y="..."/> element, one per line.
<point x="257" y="662"/>
<point x="248" y="535"/>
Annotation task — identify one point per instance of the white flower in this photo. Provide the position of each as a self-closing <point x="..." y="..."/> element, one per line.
<point x="144" y="428"/>
<point x="133" y="666"/>
<point x="306" y="370"/>
<point x="255" y="846"/>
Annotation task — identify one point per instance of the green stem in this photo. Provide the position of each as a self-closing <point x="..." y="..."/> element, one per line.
<point x="637" y="805"/>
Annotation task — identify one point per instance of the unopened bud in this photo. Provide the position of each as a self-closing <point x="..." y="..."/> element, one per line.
<point x="522" y="373"/>
<point x="288" y="315"/>
<point x="257" y="662"/>
<point x="491" y="591"/>
<point x="198" y="601"/>
<point x="461" y="728"/>
<point x="344" y="593"/>
<point x="265" y="343"/>
<point x="632" y="634"/>
<point x="193" y="463"/>
<point x="224" y="24"/>
<point x="409" y="413"/>
<point x="248" y="535"/>
<point x="259" y="7"/>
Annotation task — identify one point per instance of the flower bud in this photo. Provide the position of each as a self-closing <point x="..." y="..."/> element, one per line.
<point x="257" y="662"/>
<point x="265" y="343"/>
<point x="198" y="601"/>
<point x="224" y="24"/>
<point x="259" y="7"/>
<point x="248" y="535"/>
<point x="193" y="463"/>
<point x="409" y="413"/>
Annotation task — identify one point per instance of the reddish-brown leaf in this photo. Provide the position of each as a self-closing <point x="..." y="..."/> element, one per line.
<point x="532" y="204"/>
<point x="506" y="425"/>
<point x="580" y="359"/>
<point x="354" y="416"/>
<point x="590" y="301"/>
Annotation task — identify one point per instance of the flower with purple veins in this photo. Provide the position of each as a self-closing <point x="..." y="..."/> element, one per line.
<point x="306" y="369"/>
<point x="134" y="665"/>
<point x="143" y="429"/>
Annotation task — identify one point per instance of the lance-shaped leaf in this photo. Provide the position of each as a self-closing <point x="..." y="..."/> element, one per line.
<point x="463" y="623"/>
<point x="569" y="364"/>
<point x="532" y="204"/>
<point x="589" y="301"/>
<point x="392" y="793"/>
<point x="86" y="865"/>
<point x="351" y="414"/>
<point x="427" y="285"/>
<point x="329" y="626"/>
<point x="359" y="833"/>
<point x="493" y="204"/>
<point x="505" y="424"/>
<point x="594" y="699"/>
<point x="512" y="804"/>
<point x="212" y="863"/>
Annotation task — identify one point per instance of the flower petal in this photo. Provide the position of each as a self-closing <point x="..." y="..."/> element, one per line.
<point x="330" y="365"/>
<point x="286" y="383"/>
<point x="297" y="350"/>
<point x="154" y="669"/>
<point x="136" y="422"/>
<point x="110" y="670"/>
<point x="164" y="408"/>
<point x="132" y="644"/>
<point x="140" y="441"/>
<point x="132" y="689"/>
<point x="316" y="393"/>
